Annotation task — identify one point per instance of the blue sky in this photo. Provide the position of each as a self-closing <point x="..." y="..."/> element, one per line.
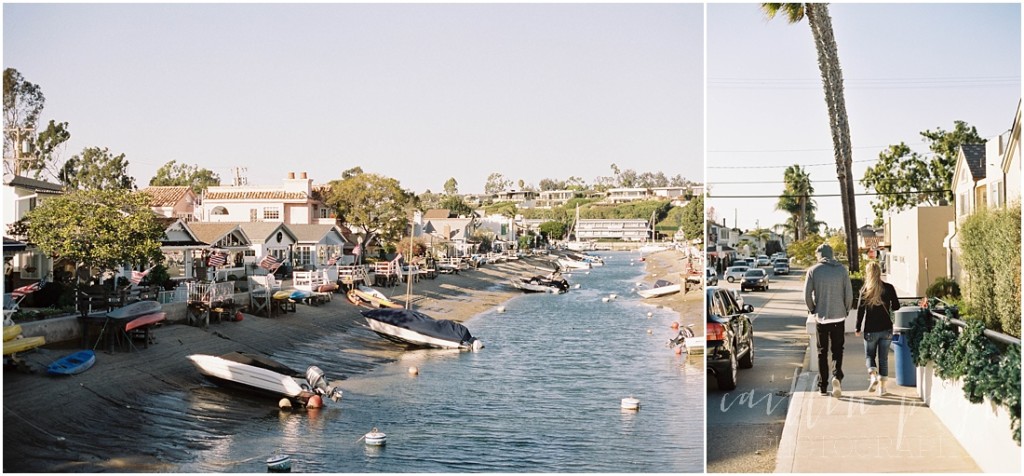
<point x="418" y="92"/>
<point x="907" y="68"/>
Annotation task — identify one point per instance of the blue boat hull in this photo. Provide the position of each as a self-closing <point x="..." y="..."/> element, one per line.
<point x="73" y="364"/>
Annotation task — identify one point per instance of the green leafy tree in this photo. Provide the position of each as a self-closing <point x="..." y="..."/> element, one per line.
<point x="693" y="218"/>
<point x="551" y="184"/>
<point x="506" y="209"/>
<point x="97" y="228"/>
<point x="23" y="104"/>
<point x="184" y="175"/>
<point x="96" y="169"/>
<point x="455" y="204"/>
<point x="374" y="203"/>
<point x="553" y="230"/>
<point x="351" y="172"/>
<point x="451" y="186"/>
<point x="496" y="183"/>
<point x="905" y="179"/>
<point x="820" y="22"/>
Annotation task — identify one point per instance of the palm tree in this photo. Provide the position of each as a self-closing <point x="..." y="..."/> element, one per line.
<point x="796" y="198"/>
<point x="832" y="81"/>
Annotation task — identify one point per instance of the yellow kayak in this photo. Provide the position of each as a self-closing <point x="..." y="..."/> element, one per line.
<point x="23" y="344"/>
<point x="11" y="332"/>
<point x="372" y="296"/>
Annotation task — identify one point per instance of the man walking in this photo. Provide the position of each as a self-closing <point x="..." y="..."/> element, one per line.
<point x="829" y="297"/>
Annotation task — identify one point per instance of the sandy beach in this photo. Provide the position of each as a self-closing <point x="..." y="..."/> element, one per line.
<point x="35" y="405"/>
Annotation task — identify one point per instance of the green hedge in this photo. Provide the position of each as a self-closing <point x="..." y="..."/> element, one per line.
<point x="986" y="369"/>
<point x="990" y="244"/>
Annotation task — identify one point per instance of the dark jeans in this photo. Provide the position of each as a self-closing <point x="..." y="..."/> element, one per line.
<point x="830" y="336"/>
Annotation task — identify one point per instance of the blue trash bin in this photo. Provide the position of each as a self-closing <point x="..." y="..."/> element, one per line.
<point x="906" y="371"/>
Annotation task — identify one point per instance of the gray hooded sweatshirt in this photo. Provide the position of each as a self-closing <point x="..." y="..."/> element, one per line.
<point x="827" y="289"/>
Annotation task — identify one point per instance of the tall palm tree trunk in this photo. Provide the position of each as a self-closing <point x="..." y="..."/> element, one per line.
<point x="832" y="79"/>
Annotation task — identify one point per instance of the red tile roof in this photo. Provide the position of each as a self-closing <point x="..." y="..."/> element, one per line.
<point x="256" y="195"/>
<point x="165" y="196"/>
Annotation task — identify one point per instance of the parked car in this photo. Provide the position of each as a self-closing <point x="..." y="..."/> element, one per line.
<point x="780" y="266"/>
<point x="763" y="260"/>
<point x="735" y="272"/>
<point x="712" y="277"/>
<point x="729" y="335"/>
<point x="742" y="262"/>
<point x="754" y="279"/>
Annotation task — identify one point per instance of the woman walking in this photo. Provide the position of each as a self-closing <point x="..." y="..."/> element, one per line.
<point x="874" y="317"/>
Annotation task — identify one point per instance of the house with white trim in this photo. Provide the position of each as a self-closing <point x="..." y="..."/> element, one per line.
<point x="294" y="202"/>
<point x="173" y="201"/>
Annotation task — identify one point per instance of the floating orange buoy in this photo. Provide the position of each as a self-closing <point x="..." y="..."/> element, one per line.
<point x="315" y="402"/>
<point x="679" y="350"/>
<point x="238" y="316"/>
<point x="675" y="325"/>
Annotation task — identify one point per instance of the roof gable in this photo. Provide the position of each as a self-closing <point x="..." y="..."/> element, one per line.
<point x="167" y="196"/>
<point x="974" y="156"/>
<point x="212" y="233"/>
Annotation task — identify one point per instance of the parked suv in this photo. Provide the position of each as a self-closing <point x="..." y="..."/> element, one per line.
<point x="780" y="266"/>
<point x="735" y="272"/>
<point x="754" y="279"/>
<point x="763" y="260"/>
<point x="730" y="336"/>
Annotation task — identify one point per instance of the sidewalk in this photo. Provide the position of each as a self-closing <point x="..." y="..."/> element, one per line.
<point x="862" y="432"/>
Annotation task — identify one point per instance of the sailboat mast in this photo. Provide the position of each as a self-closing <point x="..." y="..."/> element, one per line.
<point x="408" y="276"/>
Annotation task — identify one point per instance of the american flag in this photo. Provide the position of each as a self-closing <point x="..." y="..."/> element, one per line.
<point x="333" y="260"/>
<point x="138" y="275"/>
<point x="269" y="262"/>
<point x="27" y="289"/>
<point x="217" y="259"/>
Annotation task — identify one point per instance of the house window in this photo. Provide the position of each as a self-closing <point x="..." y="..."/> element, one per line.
<point x="271" y="214"/>
<point x="254" y="214"/>
<point x="303" y="255"/>
<point x="325" y="212"/>
<point x="32" y="202"/>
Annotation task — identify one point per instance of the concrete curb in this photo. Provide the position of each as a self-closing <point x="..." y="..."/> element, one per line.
<point x="802" y="383"/>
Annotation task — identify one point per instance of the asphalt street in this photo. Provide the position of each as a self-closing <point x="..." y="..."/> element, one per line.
<point x="744" y="425"/>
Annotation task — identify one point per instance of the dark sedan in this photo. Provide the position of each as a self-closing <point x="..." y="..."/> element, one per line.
<point x="754" y="279"/>
<point x="730" y="337"/>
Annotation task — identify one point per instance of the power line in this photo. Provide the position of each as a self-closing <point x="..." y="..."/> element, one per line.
<point x="782" y="166"/>
<point x="862" y="194"/>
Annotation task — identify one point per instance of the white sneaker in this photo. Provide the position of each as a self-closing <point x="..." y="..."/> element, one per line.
<point x="881" y="386"/>
<point x="837" y="390"/>
<point x="873" y="376"/>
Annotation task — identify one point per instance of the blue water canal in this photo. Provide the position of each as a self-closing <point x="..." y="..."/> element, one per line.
<point x="543" y="396"/>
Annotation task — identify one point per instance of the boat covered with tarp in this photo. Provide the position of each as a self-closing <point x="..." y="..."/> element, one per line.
<point x="414" y="328"/>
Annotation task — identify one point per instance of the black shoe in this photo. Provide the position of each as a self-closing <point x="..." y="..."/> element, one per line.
<point x="823" y="391"/>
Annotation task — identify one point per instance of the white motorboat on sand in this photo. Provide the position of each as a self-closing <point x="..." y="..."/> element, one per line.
<point x="660" y="288"/>
<point x="414" y="328"/>
<point x="265" y="376"/>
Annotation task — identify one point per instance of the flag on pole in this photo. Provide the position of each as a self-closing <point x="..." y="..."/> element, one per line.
<point x="217" y="259"/>
<point x="27" y="289"/>
<point x="396" y="265"/>
<point x="333" y="260"/>
<point x="138" y="275"/>
<point x="358" y="250"/>
<point x="269" y="263"/>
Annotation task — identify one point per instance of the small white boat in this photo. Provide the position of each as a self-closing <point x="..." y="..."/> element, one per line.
<point x="541" y="284"/>
<point x="660" y="288"/>
<point x="568" y="263"/>
<point x="265" y="376"/>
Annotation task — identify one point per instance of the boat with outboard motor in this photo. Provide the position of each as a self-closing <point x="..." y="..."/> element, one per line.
<point x="265" y="376"/>
<point x="553" y="283"/>
<point x="414" y="328"/>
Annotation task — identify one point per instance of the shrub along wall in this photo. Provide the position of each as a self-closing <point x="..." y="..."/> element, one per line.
<point x="990" y="244"/>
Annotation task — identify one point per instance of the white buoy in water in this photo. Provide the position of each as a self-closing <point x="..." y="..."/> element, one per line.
<point x="501" y="308"/>
<point x="649" y="314"/>
<point x="613" y="296"/>
<point x="279" y="464"/>
<point x="649" y="331"/>
<point x="284" y="404"/>
<point x="630" y="403"/>
<point x="375" y="438"/>
<point x="413" y="370"/>
<point x="576" y="286"/>
<point x="604" y="299"/>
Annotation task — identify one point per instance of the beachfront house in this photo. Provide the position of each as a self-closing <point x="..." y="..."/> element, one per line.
<point x="315" y="245"/>
<point x="267" y="238"/>
<point x="625" y="195"/>
<point x="24" y="263"/>
<point x="294" y="202"/>
<point x="227" y="238"/>
<point x="181" y="248"/>
<point x="623" y="229"/>
<point x="554" y="198"/>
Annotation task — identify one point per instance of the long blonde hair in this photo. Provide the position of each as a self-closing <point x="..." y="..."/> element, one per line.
<point x="871" y="293"/>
